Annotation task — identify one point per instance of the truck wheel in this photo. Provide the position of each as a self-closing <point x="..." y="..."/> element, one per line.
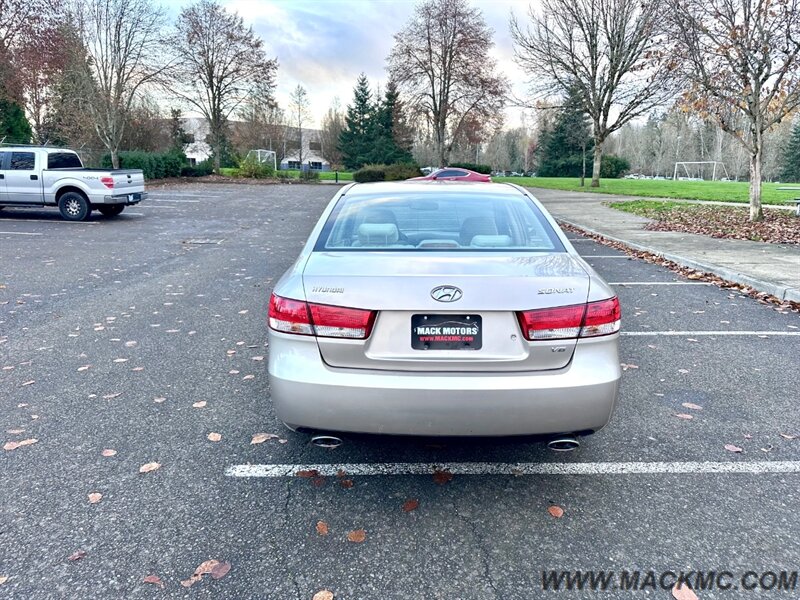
<point x="74" y="207"/>
<point x="111" y="210"/>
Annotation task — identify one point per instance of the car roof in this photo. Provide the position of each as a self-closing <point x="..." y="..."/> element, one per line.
<point x="432" y="187"/>
<point x="32" y="148"/>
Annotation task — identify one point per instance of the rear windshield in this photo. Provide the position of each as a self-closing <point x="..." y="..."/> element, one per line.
<point x="454" y="221"/>
<point x="63" y="160"/>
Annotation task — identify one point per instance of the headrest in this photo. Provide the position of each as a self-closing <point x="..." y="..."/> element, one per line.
<point x="491" y="241"/>
<point x="378" y="234"/>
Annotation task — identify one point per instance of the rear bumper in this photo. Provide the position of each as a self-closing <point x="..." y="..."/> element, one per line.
<point x="308" y="393"/>
<point x="127" y="199"/>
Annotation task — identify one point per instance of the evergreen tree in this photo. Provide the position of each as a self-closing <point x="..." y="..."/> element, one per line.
<point x="388" y="126"/>
<point x="357" y="138"/>
<point x="790" y="169"/>
<point x="177" y="134"/>
<point x="563" y="149"/>
<point x="14" y="127"/>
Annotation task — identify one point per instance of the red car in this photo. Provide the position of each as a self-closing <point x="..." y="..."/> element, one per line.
<point x="453" y="174"/>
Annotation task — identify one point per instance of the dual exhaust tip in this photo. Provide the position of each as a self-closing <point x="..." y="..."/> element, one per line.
<point x="564" y="443"/>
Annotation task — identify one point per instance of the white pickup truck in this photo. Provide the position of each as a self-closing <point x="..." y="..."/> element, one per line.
<point x="39" y="176"/>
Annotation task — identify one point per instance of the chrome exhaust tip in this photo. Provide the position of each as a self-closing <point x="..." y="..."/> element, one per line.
<point x="326" y="441"/>
<point x="566" y="443"/>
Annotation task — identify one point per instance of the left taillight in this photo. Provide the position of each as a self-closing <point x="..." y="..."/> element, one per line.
<point x="322" y="320"/>
<point x="108" y="182"/>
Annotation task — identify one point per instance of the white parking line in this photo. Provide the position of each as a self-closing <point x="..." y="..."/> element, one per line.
<point x="177" y="201"/>
<point x="712" y="333"/>
<point x="624" y="283"/>
<point x="490" y="468"/>
<point x="48" y="222"/>
<point x="17" y="233"/>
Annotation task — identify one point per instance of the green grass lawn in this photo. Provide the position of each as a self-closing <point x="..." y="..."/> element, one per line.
<point x="652" y="188"/>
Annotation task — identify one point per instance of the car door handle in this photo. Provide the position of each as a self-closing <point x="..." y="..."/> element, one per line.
<point x="34" y="177"/>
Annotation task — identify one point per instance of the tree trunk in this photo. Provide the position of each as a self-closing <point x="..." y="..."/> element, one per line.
<point x="583" y="164"/>
<point x="115" y="159"/>
<point x="598" y="158"/>
<point x="756" y="212"/>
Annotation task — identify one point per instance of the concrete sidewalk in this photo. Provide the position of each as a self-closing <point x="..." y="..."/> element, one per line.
<point x="771" y="268"/>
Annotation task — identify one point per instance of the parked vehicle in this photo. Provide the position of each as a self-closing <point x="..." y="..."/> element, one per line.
<point x="453" y="174"/>
<point x="442" y="310"/>
<point x="40" y="176"/>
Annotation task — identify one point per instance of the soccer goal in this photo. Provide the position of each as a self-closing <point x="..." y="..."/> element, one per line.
<point x="700" y="170"/>
<point x="264" y="156"/>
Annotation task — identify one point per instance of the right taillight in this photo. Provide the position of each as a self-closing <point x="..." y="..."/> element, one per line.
<point x="567" y="322"/>
<point x="322" y="320"/>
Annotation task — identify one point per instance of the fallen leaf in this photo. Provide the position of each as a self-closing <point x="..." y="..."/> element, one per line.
<point x="95" y="497"/>
<point x="233" y="372"/>
<point x="108" y="452"/>
<point x="159" y="400"/>
<point x="31" y="382"/>
<point x="357" y="536"/>
<point x="15" y="445"/>
<point x="323" y="595"/>
<point x="308" y="473"/>
<point x="767" y="448"/>
<point x="410" y="505"/>
<point x="318" y="481"/>
<point x="243" y="312"/>
<point x="684" y="371"/>
<point x="214" y="437"/>
<point x="788" y="436"/>
<point x="77" y="555"/>
<point x="84" y="368"/>
<point x="110" y="396"/>
<point x="130" y="344"/>
<point x="200" y="404"/>
<point x="219" y="570"/>
<point x="151" y="466"/>
<point x="691" y="406"/>
<point x="4" y="578"/>
<point x="137" y="369"/>
<point x="732" y="448"/>
<point x="626" y="366"/>
<point x="120" y="360"/>
<point x="187" y="583"/>
<point x="322" y="528"/>
<point x="346" y="483"/>
<point x="260" y="438"/>
<point x="18" y="431"/>
<point x="206" y="566"/>
<point x="683" y="592"/>
<point x="684" y="416"/>
<point x="155" y="580"/>
<point x="747" y="436"/>
<point x="257" y="358"/>
<point x="442" y="477"/>
<point x="246" y="377"/>
<point x="555" y="511"/>
<point x="694" y="276"/>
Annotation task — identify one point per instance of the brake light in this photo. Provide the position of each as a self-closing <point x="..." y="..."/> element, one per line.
<point x="322" y="320"/>
<point x="108" y="182"/>
<point x="577" y="321"/>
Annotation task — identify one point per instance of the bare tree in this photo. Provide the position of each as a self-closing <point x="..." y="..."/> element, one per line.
<point x="299" y="115"/>
<point x="612" y="51"/>
<point x="742" y="61"/>
<point x="441" y="62"/>
<point x="332" y="126"/>
<point x="123" y="42"/>
<point x="218" y="64"/>
<point x="263" y="123"/>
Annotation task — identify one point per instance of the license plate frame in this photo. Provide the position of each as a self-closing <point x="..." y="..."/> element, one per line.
<point x="446" y="332"/>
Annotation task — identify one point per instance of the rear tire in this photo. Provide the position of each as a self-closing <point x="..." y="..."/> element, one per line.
<point x="112" y="210"/>
<point x="74" y="207"/>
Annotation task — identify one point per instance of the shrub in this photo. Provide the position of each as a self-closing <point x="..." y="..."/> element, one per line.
<point x="309" y="175"/>
<point x="251" y="167"/>
<point x="369" y="173"/>
<point x="478" y="168"/>
<point x="154" y="165"/>
<point x="613" y="167"/>
<point x="199" y="170"/>
<point x="400" y="171"/>
<point x="395" y="172"/>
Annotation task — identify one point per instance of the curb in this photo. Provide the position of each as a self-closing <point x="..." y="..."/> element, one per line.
<point x="781" y="292"/>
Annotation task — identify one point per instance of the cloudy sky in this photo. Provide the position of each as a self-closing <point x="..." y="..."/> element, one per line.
<point x="325" y="44"/>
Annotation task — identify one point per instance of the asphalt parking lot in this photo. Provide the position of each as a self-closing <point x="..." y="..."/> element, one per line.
<point x="146" y="333"/>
